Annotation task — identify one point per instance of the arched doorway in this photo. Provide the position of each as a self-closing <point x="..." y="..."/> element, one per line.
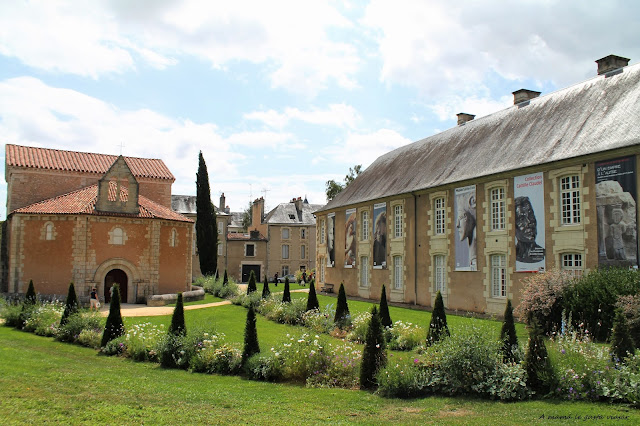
<point x="116" y="276"/>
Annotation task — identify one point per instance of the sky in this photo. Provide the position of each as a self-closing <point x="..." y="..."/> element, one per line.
<point x="281" y="96"/>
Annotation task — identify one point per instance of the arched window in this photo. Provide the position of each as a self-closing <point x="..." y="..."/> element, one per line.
<point x="173" y="240"/>
<point x="48" y="231"/>
<point x="117" y="236"/>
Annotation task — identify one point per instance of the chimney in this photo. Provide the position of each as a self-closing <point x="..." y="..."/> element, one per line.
<point x="524" y="95"/>
<point x="257" y="212"/>
<point x="611" y="63"/>
<point x="463" y="117"/>
<point x="222" y="203"/>
<point x="298" y="203"/>
<point x="227" y="210"/>
<point x="254" y="235"/>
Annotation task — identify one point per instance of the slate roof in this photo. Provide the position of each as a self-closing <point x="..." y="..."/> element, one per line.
<point x="597" y="115"/>
<point x="186" y="204"/>
<point x="286" y="214"/>
<point x="83" y="201"/>
<point x="72" y="161"/>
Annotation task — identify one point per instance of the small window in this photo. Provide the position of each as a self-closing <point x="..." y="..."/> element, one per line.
<point x="364" y="271"/>
<point x="303" y="233"/>
<point x="219" y="249"/>
<point x="572" y="263"/>
<point x="440" y="272"/>
<point x="398" y="272"/>
<point x="303" y="252"/>
<point x="497" y="209"/>
<point x="285" y="251"/>
<point x="250" y="250"/>
<point x="48" y="232"/>
<point x="322" y="231"/>
<point x="292" y="217"/>
<point x="322" y="262"/>
<point x="285" y="233"/>
<point x="365" y="225"/>
<point x="220" y="227"/>
<point x="439" y="216"/>
<point x="173" y="239"/>
<point x="117" y="236"/>
<point x="397" y="214"/>
<point x="285" y="270"/>
<point x="570" y="194"/>
<point x="498" y="275"/>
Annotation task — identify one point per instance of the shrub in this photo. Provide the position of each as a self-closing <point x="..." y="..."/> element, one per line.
<point x="406" y="378"/>
<point x="404" y="336"/>
<point x="177" y="350"/>
<point x="71" y="306"/>
<point x="508" y="336"/>
<point x="540" y="374"/>
<point x="621" y="343"/>
<point x="267" y="367"/>
<point x="359" y="327"/>
<point x="225" y="281"/>
<point x="114" y="326"/>
<point x="177" y="319"/>
<point x="630" y="306"/>
<point x="251" y="345"/>
<point x="341" y="368"/>
<point x="374" y="355"/>
<point x="90" y="338"/>
<point x="385" y="318"/>
<point x="214" y="356"/>
<point x="247" y="300"/>
<point x="312" y="299"/>
<point x="76" y="323"/>
<point x="265" y="288"/>
<point x="12" y="313"/>
<point x="438" y="327"/>
<point x="284" y="313"/>
<point x="218" y="288"/>
<point x="251" y="286"/>
<point x="342" y="318"/>
<point x="114" y="347"/>
<point x="143" y="341"/>
<point x="319" y="322"/>
<point x="286" y="296"/>
<point x="30" y="298"/>
<point x="44" y="319"/>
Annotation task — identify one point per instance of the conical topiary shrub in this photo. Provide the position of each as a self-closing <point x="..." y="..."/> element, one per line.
<point x="251" y="287"/>
<point x="342" y="309"/>
<point x="178" y="326"/>
<point x="622" y="344"/>
<point x="385" y="318"/>
<point x="286" y="296"/>
<point x="537" y="363"/>
<point x="438" y="327"/>
<point x="225" y="280"/>
<point x="30" y="298"/>
<point x="251" y="345"/>
<point x="312" y="299"/>
<point x="374" y="355"/>
<point x="28" y="306"/>
<point x="71" y="305"/>
<point x="114" y="326"/>
<point x="265" y="288"/>
<point x="508" y="335"/>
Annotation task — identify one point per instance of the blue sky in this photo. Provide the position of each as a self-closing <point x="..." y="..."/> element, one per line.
<point x="281" y="96"/>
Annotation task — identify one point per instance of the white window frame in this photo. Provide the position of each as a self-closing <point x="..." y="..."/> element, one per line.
<point x="498" y="209"/>
<point x="398" y="213"/>
<point x="572" y="263"/>
<point x="285" y="270"/>
<point x="570" y="200"/>
<point x="440" y="273"/>
<point x="498" y="275"/>
<point x="364" y="271"/>
<point x="439" y="217"/>
<point x="398" y="273"/>
<point x="286" y="233"/>
<point x="364" y="218"/>
<point x="285" y="251"/>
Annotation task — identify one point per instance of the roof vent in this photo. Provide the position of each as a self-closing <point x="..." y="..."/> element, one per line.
<point x="611" y="63"/>
<point x="524" y="95"/>
<point x="463" y="117"/>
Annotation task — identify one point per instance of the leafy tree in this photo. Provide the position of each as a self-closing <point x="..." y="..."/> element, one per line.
<point x="71" y="305"/>
<point x="621" y="342"/>
<point x="537" y="364"/>
<point x="265" y="288"/>
<point x="342" y="309"/>
<point x="333" y="188"/>
<point x="312" y="299"/>
<point x="385" y="318"/>
<point x="251" y="287"/>
<point x="206" y="234"/>
<point x="225" y="281"/>
<point x="30" y="298"/>
<point x="251" y="345"/>
<point x="246" y="217"/>
<point x="508" y="335"/>
<point x="286" y="296"/>
<point x="178" y="326"/>
<point x="438" y="327"/>
<point x="374" y="355"/>
<point x="114" y="326"/>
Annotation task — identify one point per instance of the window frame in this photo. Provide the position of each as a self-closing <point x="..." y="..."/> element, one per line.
<point x="439" y="216"/>
<point x="285" y="247"/>
<point x="364" y="271"/>
<point x="246" y="246"/>
<point x="398" y="222"/>
<point x="574" y="269"/>
<point x="498" y="209"/>
<point x="303" y="251"/>
<point x="498" y="264"/>
<point x="117" y="236"/>
<point x="364" y="219"/>
<point x="440" y="273"/>
<point x="570" y="200"/>
<point x="398" y="273"/>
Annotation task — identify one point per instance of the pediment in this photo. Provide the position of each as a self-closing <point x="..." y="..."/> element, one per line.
<point x="118" y="189"/>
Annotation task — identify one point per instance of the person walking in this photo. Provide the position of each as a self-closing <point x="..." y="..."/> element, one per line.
<point x="95" y="303"/>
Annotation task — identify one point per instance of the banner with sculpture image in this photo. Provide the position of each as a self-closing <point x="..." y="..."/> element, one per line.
<point x="617" y="214"/>
<point x="331" y="239"/>
<point x="465" y="247"/>
<point x="379" y="235"/>
<point x="528" y="192"/>
<point x="350" y="239"/>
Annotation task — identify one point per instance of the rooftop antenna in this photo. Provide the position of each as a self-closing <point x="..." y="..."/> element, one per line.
<point x="122" y="145"/>
<point x="264" y="192"/>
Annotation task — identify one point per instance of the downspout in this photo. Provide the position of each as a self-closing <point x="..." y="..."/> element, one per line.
<point x="415" y="248"/>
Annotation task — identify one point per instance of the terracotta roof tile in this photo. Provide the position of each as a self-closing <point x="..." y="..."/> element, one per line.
<point x="54" y="159"/>
<point x="83" y="201"/>
<point x="244" y="237"/>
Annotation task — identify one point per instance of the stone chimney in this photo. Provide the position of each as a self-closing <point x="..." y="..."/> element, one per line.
<point x="463" y="117"/>
<point x="257" y="212"/>
<point x="524" y="95"/>
<point x="254" y="234"/>
<point x="298" y="202"/>
<point x="222" y="203"/>
<point x="611" y="63"/>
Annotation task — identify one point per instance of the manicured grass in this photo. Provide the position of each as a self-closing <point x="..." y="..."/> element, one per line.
<point x="208" y="298"/>
<point x="44" y="381"/>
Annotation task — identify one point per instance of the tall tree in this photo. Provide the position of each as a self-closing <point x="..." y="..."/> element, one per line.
<point x="508" y="335"/>
<point x="265" y="288"/>
<point x="251" y="345"/>
<point x="178" y="326"/>
<point x="71" y="305"/>
<point x="333" y="188"/>
<point x="342" y="309"/>
<point x="31" y="298"/>
<point x="286" y="296"/>
<point x="537" y="364"/>
<point x="114" y="326"/>
<point x="312" y="299"/>
<point x="251" y="287"/>
<point x="374" y="355"/>
<point x="206" y="235"/>
<point x="385" y="318"/>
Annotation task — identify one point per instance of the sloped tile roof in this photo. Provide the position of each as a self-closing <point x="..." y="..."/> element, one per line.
<point x="54" y="159"/>
<point x="83" y="201"/>
<point x="597" y="115"/>
<point x="287" y="214"/>
<point x="244" y="237"/>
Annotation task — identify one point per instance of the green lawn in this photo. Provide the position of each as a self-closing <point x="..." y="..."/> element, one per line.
<point x="43" y="381"/>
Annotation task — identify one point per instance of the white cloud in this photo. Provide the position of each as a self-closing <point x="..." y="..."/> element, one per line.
<point x="364" y="148"/>
<point x="338" y="115"/>
<point x="447" y="107"/>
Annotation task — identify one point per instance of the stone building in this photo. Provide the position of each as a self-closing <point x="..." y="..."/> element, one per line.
<point x="549" y="182"/>
<point x="93" y="219"/>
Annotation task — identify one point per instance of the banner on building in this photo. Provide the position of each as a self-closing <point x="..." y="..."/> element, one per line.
<point x="331" y="239"/>
<point x="528" y="192"/>
<point x="465" y="247"/>
<point x="379" y="235"/>
<point x="616" y="210"/>
<point x="350" y="226"/>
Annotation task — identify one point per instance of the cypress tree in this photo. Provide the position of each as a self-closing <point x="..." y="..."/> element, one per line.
<point x="178" y="326"/>
<point x="30" y="298"/>
<point x="286" y="296"/>
<point x="622" y="344"/>
<point x="374" y="355"/>
<point x="312" y="299"/>
<point x="251" y="345"/>
<point x="438" y="327"/>
<point x="114" y="326"/>
<point x="537" y="363"/>
<point x="342" y="309"/>
<point x="385" y="318"/>
<point x="206" y="234"/>
<point x="71" y="305"/>
<point x="225" y="281"/>
<point x="251" y="287"/>
<point x="265" y="288"/>
<point x="508" y="335"/>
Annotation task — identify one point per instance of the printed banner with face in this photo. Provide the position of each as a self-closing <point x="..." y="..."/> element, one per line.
<point x="616" y="207"/>
<point x="528" y="192"/>
<point x="350" y="239"/>
<point x="380" y="235"/>
<point x="465" y="206"/>
<point x="331" y="239"/>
